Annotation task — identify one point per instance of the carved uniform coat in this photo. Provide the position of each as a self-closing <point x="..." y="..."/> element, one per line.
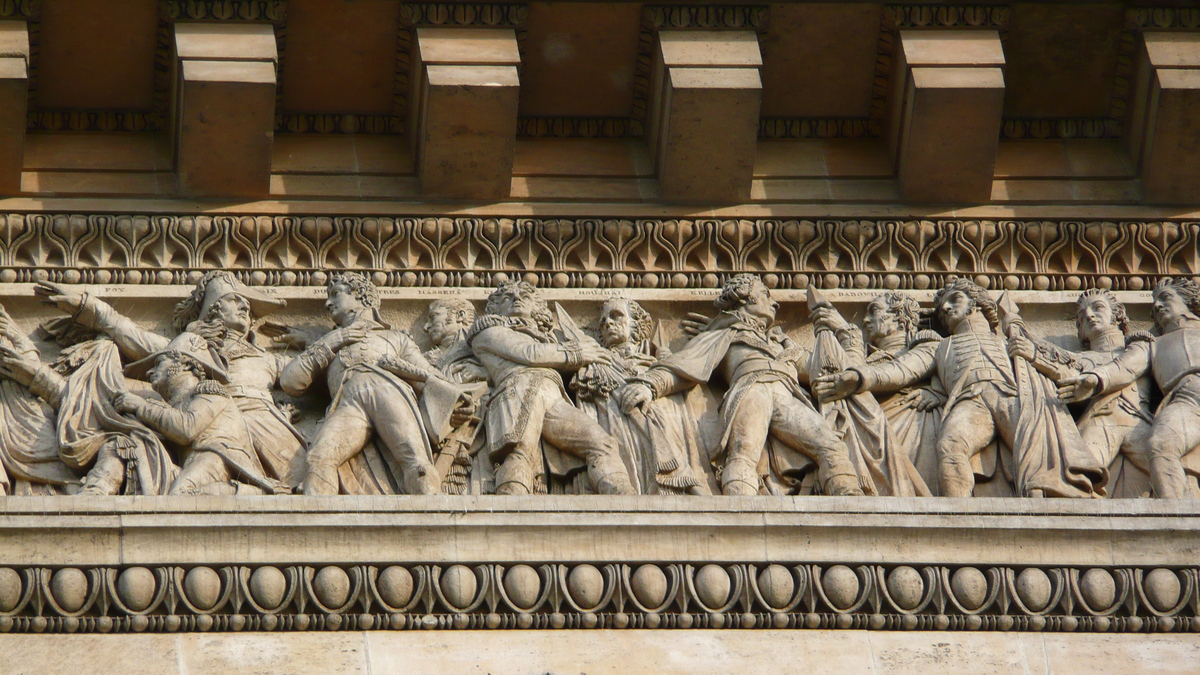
<point x="206" y="425"/>
<point x="1046" y="451"/>
<point x="253" y="372"/>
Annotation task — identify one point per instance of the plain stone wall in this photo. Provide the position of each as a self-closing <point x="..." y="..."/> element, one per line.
<point x="597" y="652"/>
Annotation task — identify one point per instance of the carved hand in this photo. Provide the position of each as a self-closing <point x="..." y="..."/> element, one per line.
<point x="1078" y="388"/>
<point x="17" y="368"/>
<point x="1023" y="347"/>
<point x="924" y="399"/>
<point x="694" y="323"/>
<point x="464" y="411"/>
<point x="836" y="386"/>
<point x="467" y="371"/>
<point x="828" y="317"/>
<point x="342" y="337"/>
<point x="286" y="335"/>
<point x="635" y="395"/>
<point x="128" y="402"/>
<point x="590" y="352"/>
<point x="65" y="299"/>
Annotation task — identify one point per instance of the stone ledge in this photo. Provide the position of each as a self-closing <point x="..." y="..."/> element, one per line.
<point x="445" y="529"/>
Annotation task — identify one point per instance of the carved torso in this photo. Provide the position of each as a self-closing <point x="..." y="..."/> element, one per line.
<point x="968" y="358"/>
<point x="1175" y="354"/>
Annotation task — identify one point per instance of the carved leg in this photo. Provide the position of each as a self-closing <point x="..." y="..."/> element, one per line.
<point x="747" y="442"/>
<point x="517" y="474"/>
<point x="404" y="437"/>
<point x="343" y="434"/>
<point x="107" y="474"/>
<point x="571" y="430"/>
<point x="200" y="469"/>
<point x="281" y="453"/>
<point x="799" y="426"/>
<point x="966" y="430"/>
<point x="1175" y="433"/>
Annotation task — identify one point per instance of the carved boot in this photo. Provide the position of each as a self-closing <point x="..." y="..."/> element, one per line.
<point x="740" y="478"/>
<point x="843" y="485"/>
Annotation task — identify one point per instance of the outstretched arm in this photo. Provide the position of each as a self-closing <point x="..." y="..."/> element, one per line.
<point x="95" y="314"/>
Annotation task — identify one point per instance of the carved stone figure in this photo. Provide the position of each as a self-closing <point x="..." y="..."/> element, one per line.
<point x="118" y="454"/>
<point x="29" y="459"/>
<point x="1174" y="360"/>
<point x="660" y="445"/>
<point x="446" y="324"/>
<point x="532" y="428"/>
<point x="989" y="397"/>
<point x="1116" y="424"/>
<point x="370" y="401"/>
<point x="220" y="307"/>
<point x="200" y="418"/>
<point x="885" y="438"/>
<point x="767" y="419"/>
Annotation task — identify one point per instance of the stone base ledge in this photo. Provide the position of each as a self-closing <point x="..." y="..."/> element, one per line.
<point x="541" y="529"/>
<point x="283" y="564"/>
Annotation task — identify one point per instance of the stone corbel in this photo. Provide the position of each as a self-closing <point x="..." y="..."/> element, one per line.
<point x="947" y="100"/>
<point x="1163" y="132"/>
<point x="702" y="126"/>
<point x="465" y="90"/>
<point x="14" y="94"/>
<point x="223" y="108"/>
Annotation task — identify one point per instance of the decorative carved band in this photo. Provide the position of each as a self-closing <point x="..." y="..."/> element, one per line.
<point x="579" y="127"/>
<point x="597" y="253"/>
<point x="598" y="595"/>
<point x="322" y="123"/>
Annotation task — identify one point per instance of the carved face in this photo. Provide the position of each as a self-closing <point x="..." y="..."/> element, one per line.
<point x="343" y="307"/>
<point x="616" y="323"/>
<point x="165" y="367"/>
<point x="233" y="311"/>
<point x="1170" y="309"/>
<point x="441" y="325"/>
<point x="880" y="322"/>
<point x="1094" y="318"/>
<point x="954" y="309"/>
<point x="515" y="305"/>
<point x="760" y="305"/>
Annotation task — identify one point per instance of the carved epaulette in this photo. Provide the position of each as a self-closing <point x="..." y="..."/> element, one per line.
<point x="211" y="388"/>
<point x="923" y="336"/>
<point x="485" y="322"/>
<point x="1138" y="336"/>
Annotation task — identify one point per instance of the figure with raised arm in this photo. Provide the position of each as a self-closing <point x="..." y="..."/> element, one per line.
<point x="1116" y="424"/>
<point x="772" y="433"/>
<point x="223" y="309"/>
<point x="198" y="415"/>
<point x="988" y="398"/>
<point x="660" y="446"/>
<point x="532" y="428"/>
<point x="1173" y="358"/>
<point x="371" y="371"/>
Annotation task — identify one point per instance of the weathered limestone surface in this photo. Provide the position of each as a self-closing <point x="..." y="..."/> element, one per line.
<point x="517" y="652"/>
<point x="14" y="95"/>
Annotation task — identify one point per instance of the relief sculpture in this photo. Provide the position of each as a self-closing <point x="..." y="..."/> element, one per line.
<point x="962" y="398"/>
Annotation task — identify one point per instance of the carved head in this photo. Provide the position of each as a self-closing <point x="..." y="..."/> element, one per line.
<point x="1175" y="300"/>
<point x="1097" y="310"/>
<point x="349" y="294"/>
<point x="891" y="313"/>
<point x="446" y="318"/>
<point x="623" y="321"/>
<point x="220" y="298"/>
<point x="748" y="294"/>
<point x="957" y="300"/>
<point x="170" y="365"/>
<point x="519" y="299"/>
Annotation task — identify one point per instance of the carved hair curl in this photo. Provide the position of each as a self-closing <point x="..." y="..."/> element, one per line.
<point x="1186" y="288"/>
<point x="641" y="323"/>
<point x="904" y="309"/>
<point x="188" y="309"/>
<point x="184" y="363"/>
<point x="978" y="295"/>
<point x="736" y="292"/>
<point x="359" y="286"/>
<point x="459" y="307"/>
<point x="523" y="289"/>
<point x="1119" y="316"/>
